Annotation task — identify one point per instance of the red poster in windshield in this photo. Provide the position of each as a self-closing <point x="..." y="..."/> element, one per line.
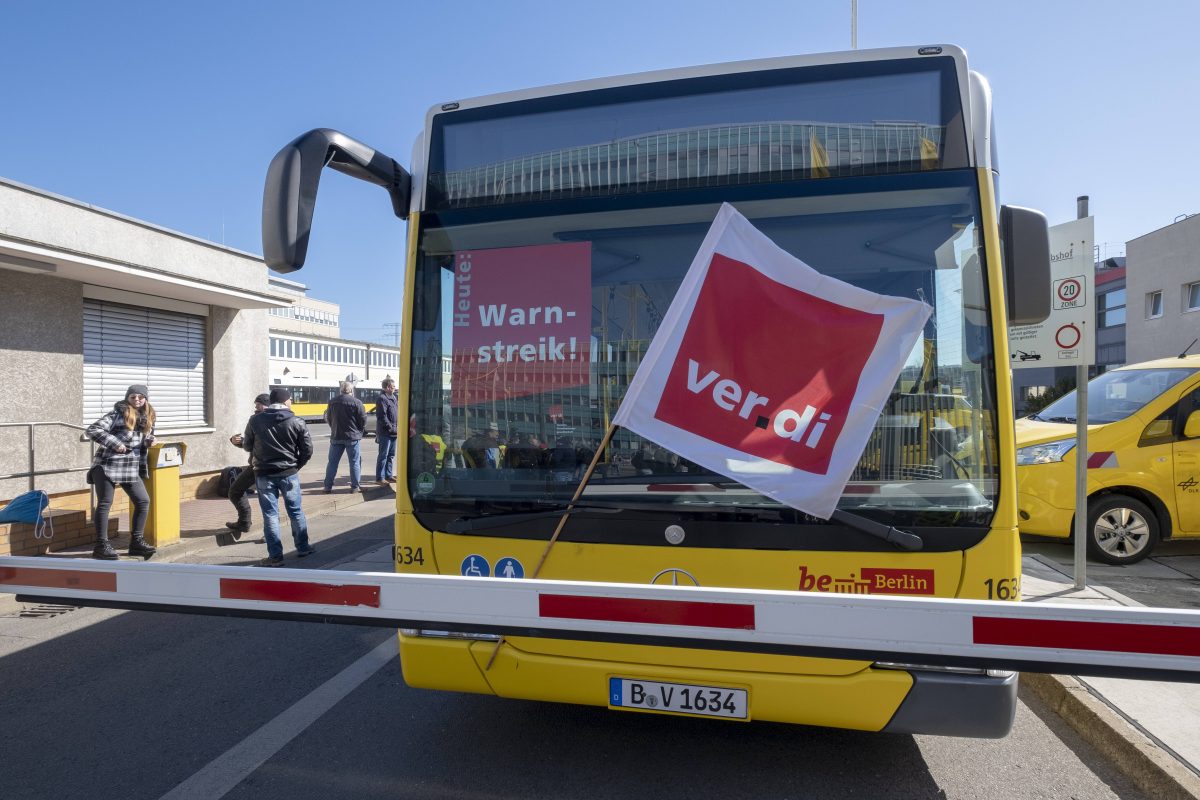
<point x="521" y="320"/>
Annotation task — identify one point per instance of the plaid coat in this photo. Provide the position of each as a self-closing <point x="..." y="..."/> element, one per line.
<point x="109" y="431"/>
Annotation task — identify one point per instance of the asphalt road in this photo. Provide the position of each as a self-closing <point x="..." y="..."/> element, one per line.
<point x="103" y="704"/>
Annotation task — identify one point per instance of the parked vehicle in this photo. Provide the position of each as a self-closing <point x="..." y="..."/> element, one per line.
<point x="1143" y="461"/>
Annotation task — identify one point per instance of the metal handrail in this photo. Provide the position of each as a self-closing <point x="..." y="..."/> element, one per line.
<point x="33" y="472"/>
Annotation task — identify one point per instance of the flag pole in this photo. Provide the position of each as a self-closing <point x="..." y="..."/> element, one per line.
<point x="562" y="522"/>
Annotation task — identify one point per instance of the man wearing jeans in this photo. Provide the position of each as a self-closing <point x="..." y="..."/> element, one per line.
<point x="386" y="427"/>
<point x="347" y="422"/>
<point x="281" y="446"/>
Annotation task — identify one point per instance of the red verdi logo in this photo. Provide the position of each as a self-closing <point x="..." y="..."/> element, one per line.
<point x="869" y="580"/>
<point x="761" y="394"/>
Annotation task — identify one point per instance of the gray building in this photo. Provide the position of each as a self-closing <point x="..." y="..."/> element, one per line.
<point x="93" y="301"/>
<point x="1111" y="314"/>
<point x="1164" y="291"/>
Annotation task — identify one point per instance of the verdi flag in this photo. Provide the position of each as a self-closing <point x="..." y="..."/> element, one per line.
<point x="768" y="372"/>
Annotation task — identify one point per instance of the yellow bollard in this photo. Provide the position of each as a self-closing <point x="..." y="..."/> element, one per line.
<point x="164" y="461"/>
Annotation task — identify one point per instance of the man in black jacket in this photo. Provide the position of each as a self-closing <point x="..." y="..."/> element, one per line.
<point x="347" y="420"/>
<point x="386" y="430"/>
<point x="244" y="480"/>
<point x="280" y="444"/>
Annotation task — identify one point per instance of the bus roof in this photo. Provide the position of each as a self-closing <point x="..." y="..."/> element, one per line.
<point x="706" y="70"/>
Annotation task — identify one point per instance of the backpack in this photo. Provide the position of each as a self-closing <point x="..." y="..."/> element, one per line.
<point x="228" y="476"/>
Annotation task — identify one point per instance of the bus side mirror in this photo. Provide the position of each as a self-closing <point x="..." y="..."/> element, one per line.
<point x="290" y="194"/>
<point x="1026" y="256"/>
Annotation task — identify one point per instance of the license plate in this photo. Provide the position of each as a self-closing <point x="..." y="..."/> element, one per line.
<point x="678" y="698"/>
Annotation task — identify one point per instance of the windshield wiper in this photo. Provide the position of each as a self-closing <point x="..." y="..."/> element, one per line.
<point x="1037" y="417"/>
<point x="496" y="519"/>
<point x="893" y="536"/>
<point x="1060" y="419"/>
<point x="888" y="533"/>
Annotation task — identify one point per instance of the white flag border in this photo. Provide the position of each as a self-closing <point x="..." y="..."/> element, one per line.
<point x="733" y="236"/>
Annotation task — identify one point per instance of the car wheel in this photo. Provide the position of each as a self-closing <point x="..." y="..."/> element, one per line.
<point x="1121" y="530"/>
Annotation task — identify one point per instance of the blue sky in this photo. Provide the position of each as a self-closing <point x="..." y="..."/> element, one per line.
<point x="170" y="112"/>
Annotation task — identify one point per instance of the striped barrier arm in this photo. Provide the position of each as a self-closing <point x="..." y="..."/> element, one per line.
<point x="1146" y="643"/>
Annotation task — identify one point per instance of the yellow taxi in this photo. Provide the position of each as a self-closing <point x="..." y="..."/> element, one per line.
<point x="1143" y="461"/>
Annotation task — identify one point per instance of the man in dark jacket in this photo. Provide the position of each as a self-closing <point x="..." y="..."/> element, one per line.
<point x="385" y="433"/>
<point x="280" y="445"/>
<point x="244" y="480"/>
<point x="347" y="419"/>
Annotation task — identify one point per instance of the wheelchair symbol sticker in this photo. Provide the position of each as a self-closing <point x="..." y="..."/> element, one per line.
<point x="475" y="566"/>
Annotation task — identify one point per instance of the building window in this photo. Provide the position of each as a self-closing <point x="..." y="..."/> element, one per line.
<point x="1191" y="297"/>
<point x="1153" y="305"/>
<point x="165" y="350"/>
<point x="1112" y="309"/>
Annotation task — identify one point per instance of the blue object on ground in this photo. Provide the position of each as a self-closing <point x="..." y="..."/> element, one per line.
<point x="28" y="508"/>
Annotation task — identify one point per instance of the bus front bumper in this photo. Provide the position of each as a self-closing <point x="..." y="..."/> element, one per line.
<point x="906" y="700"/>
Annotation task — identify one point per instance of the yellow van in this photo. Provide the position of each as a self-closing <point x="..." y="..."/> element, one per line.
<point x="1143" y="461"/>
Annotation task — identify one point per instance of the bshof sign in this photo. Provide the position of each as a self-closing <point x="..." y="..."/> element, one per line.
<point x="1067" y="337"/>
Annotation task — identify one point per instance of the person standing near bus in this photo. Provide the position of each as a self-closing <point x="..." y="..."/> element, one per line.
<point x="347" y="420"/>
<point x="124" y="434"/>
<point x="245" y="478"/>
<point x="484" y="450"/>
<point x="386" y="427"/>
<point x="280" y="444"/>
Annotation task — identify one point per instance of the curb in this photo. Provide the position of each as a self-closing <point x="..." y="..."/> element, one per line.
<point x="1152" y="769"/>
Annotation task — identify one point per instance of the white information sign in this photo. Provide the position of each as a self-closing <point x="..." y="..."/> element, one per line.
<point x="1068" y="336"/>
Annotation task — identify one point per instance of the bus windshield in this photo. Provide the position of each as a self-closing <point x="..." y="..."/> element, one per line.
<point x="528" y="331"/>
<point x="556" y="231"/>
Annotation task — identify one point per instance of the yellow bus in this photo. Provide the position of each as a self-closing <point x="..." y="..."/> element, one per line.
<point x="309" y="401"/>
<point x="548" y="230"/>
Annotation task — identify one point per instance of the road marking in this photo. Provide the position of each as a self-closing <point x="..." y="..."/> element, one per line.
<point x="236" y="764"/>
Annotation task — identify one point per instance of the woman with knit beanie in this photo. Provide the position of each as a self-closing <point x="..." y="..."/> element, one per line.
<point x="124" y="435"/>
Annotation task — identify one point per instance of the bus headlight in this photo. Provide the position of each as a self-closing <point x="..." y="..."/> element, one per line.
<point x="1045" y="453"/>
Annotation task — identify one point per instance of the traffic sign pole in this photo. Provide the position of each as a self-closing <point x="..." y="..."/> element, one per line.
<point x="1081" y="467"/>
<point x="1065" y="338"/>
<point x="1081" y="444"/>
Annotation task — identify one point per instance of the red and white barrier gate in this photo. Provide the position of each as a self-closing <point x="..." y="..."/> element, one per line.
<point x="1080" y="640"/>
